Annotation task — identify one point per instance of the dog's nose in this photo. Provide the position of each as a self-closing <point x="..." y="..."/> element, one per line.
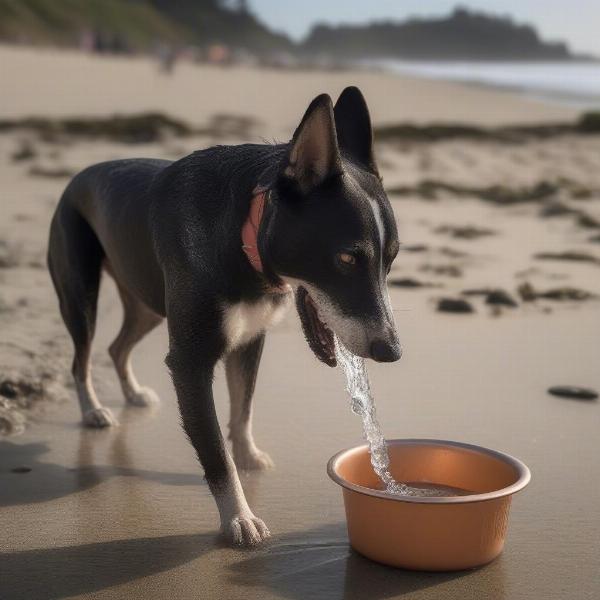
<point x="383" y="351"/>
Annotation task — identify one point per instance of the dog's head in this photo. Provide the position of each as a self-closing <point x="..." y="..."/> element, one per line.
<point x="333" y="232"/>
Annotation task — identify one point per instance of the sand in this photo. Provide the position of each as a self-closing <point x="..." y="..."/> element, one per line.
<point x="126" y="514"/>
<point x="69" y="83"/>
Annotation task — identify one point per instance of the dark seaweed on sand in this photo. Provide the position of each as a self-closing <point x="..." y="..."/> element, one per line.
<point x="24" y="152"/>
<point x="412" y="283"/>
<point x="130" y="129"/>
<point x="9" y="255"/>
<point x="493" y="296"/>
<point x="455" y="305"/>
<point x="588" y="123"/>
<point x="442" y="270"/>
<point x="573" y="392"/>
<point x="562" y="294"/>
<point x="465" y="232"/>
<point x="569" y="256"/>
<point x="146" y="127"/>
<point x="495" y="194"/>
<point x="51" y="173"/>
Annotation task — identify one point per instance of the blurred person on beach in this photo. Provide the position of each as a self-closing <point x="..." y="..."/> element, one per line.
<point x="167" y="57"/>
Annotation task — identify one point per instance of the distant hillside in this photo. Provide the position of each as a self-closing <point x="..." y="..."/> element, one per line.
<point x="138" y="23"/>
<point x="462" y="35"/>
<point x="209" y="21"/>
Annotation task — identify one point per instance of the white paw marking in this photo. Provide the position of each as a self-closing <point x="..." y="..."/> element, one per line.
<point x="251" y="459"/>
<point x="143" y="397"/>
<point x="99" y="417"/>
<point x="246" y="530"/>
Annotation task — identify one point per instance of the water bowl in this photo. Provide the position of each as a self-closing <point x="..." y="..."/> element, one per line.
<point x="447" y="533"/>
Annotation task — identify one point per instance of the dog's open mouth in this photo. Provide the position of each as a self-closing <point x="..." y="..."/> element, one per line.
<point x="318" y="335"/>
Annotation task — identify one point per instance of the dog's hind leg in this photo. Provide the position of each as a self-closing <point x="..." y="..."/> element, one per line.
<point x="138" y="320"/>
<point x="241" y="368"/>
<point x="74" y="260"/>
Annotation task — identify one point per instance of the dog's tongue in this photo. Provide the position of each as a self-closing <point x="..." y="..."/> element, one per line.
<point x="317" y="334"/>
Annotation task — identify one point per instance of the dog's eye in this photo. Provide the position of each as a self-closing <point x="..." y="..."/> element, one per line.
<point x="347" y="259"/>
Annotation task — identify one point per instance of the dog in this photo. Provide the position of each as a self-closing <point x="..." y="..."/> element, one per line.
<point x="219" y="243"/>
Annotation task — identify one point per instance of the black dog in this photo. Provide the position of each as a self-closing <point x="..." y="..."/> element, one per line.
<point x="313" y="217"/>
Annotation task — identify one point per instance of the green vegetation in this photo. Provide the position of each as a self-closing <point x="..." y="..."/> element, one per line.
<point x="62" y="21"/>
<point x="137" y="23"/>
<point x="589" y="123"/>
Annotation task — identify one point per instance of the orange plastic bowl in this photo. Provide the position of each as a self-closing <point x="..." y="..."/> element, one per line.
<point x="448" y="533"/>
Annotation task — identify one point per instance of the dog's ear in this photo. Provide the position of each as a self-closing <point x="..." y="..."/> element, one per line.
<point x="314" y="156"/>
<point x="354" y="130"/>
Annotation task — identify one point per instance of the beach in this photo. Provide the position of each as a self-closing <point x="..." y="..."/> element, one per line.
<point x="570" y="83"/>
<point x="126" y="512"/>
<point x="70" y="83"/>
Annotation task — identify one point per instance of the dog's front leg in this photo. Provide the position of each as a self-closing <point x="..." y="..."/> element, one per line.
<point x="192" y="357"/>
<point x="194" y="392"/>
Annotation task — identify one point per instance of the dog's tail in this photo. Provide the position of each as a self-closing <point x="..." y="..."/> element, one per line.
<point x="75" y="258"/>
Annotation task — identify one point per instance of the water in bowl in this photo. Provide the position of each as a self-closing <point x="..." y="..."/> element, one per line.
<point x="363" y="405"/>
<point x="426" y="489"/>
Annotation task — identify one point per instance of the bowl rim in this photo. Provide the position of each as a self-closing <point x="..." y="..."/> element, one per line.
<point x="523" y="473"/>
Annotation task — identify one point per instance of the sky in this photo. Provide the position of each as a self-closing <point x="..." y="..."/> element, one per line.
<point x="575" y="21"/>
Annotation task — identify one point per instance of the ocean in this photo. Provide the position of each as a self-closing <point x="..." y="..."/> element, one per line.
<point x="569" y="83"/>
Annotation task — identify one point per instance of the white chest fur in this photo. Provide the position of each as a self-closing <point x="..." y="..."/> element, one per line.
<point x="245" y="320"/>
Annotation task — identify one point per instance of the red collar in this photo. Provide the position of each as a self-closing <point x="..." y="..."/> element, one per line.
<point x="250" y="228"/>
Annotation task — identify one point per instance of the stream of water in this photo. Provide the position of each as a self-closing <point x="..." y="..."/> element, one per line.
<point x="363" y="405"/>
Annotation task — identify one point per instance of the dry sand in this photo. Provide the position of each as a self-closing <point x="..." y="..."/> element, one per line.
<point x="44" y="82"/>
<point x="125" y="513"/>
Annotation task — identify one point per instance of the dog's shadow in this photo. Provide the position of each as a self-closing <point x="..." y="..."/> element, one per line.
<point x="44" y="480"/>
<point x="53" y="573"/>
<point x="305" y="565"/>
<point x="319" y="563"/>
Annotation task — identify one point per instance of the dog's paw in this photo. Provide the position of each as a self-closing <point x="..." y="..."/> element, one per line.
<point x="252" y="459"/>
<point x="246" y="531"/>
<point x="144" y="397"/>
<point x="99" y="417"/>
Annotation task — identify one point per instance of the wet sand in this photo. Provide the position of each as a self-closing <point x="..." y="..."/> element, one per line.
<point x="126" y="514"/>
